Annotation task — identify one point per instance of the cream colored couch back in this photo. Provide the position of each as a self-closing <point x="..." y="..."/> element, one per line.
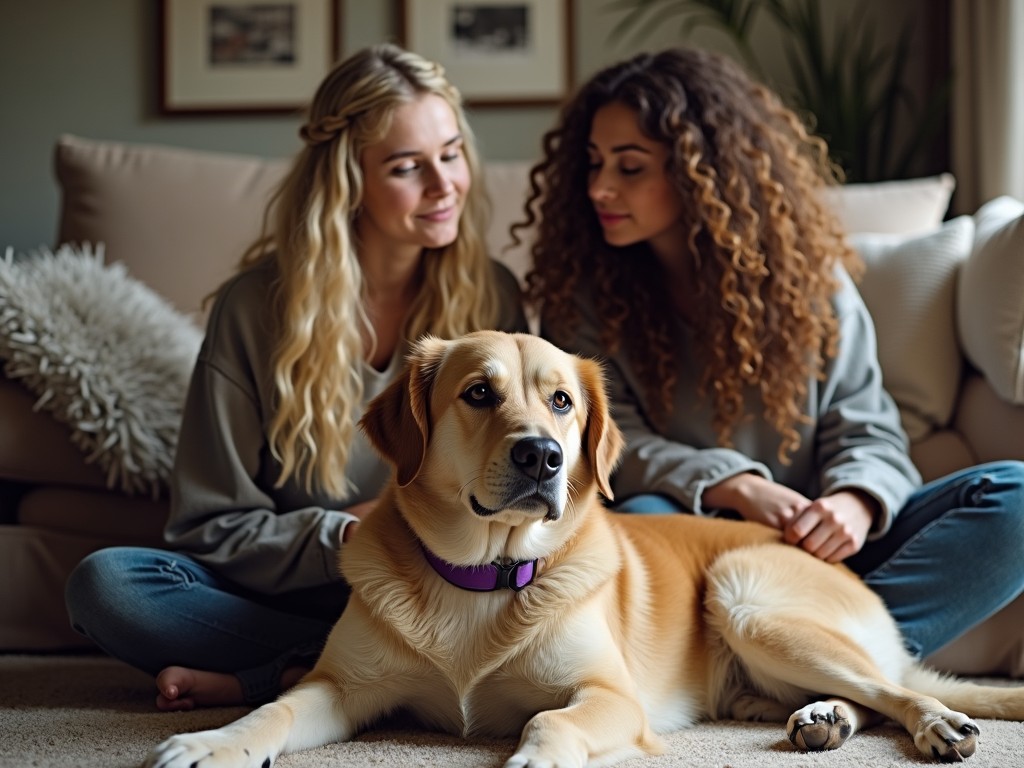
<point x="179" y="219"/>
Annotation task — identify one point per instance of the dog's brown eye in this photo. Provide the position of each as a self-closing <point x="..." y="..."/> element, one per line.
<point x="480" y="396"/>
<point x="560" y="401"/>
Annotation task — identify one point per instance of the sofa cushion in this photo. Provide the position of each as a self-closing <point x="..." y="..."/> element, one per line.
<point x="910" y="290"/>
<point x="992" y="426"/>
<point x="990" y="313"/>
<point x="34" y="566"/>
<point x="903" y="207"/>
<point x="178" y="218"/>
<point x="117" y="518"/>
<point x="940" y="453"/>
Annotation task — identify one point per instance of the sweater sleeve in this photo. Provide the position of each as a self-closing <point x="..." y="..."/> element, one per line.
<point x="860" y="440"/>
<point x="225" y="509"/>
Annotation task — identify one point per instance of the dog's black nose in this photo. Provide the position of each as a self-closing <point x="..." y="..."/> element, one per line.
<point x="538" y="457"/>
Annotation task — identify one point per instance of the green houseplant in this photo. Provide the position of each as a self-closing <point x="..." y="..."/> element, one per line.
<point x="851" y="88"/>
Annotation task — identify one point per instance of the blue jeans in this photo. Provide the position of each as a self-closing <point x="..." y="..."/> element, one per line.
<point x="152" y="609"/>
<point x="953" y="557"/>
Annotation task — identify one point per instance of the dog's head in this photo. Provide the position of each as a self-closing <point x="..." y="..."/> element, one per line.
<point x="504" y="427"/>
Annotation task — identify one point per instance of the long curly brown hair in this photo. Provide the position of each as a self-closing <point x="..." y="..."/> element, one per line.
<point x="765" y="249"/>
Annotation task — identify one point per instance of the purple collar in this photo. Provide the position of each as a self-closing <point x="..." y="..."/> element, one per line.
<point x="484" y="578"/>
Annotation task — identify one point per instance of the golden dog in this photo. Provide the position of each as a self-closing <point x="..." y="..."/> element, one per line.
<point x="492" y="594"/>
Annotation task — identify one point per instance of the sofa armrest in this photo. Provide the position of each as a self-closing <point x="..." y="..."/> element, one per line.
<point x="35" y="448"/>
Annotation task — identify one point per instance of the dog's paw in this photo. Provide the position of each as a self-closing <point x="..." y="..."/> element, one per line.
<point x="544" y="748"/>
<point x="207" y="749"/>
<point x="819" y="726"/>
<point x="559" y="757"/>
<point x="948" y="736"/>
<point x="521" y="760"/>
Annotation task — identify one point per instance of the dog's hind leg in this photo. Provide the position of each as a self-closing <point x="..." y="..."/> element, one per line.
<point x="306" y="716"/>
<point x="800" y="628"/>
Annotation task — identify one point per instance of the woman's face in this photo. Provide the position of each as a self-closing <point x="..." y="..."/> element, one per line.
<point x="631" y="191"/>
<point x="415" y="180"/>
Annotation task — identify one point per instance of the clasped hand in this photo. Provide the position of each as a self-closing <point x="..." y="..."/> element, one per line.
<point x="831" y="528"/>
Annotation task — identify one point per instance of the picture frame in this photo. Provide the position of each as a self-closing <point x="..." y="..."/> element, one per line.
<point x="496" y="52"/>
<point x="239" y="56"/>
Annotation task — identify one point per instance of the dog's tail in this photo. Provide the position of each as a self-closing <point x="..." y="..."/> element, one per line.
<point x="999" y="702"/>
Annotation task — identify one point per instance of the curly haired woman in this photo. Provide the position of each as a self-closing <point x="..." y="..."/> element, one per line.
<point x="682" y="238"/>
<point x="374" y="237"/>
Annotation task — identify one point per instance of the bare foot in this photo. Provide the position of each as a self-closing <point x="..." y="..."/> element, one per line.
<point x="181" y="688"/>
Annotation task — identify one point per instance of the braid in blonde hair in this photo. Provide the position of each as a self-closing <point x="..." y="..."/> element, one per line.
<point x="324" y="129"/>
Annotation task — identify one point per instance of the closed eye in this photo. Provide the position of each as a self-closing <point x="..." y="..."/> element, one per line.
<point x="405" y="169"/>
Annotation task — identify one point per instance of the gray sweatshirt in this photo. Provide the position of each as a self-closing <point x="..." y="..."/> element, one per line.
<point x="853" y="439"/>
<point x="225" y="510"/>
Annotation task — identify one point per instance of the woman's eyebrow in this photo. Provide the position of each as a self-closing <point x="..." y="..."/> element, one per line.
<point x="623" y="148"/>
<point x="402" y="153"/>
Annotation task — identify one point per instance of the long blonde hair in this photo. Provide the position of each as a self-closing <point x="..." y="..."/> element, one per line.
<point x="764" y="247"/>
<point x="309" y="237"/>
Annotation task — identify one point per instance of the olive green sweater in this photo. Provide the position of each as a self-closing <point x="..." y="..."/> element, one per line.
<point x="225" y="509"/>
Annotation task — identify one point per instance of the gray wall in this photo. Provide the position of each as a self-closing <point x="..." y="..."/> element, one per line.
<point x="89" y="68"/>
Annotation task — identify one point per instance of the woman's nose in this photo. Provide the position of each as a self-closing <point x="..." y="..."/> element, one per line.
<point x="439" y="182"/>
<point x="599" y="187"/>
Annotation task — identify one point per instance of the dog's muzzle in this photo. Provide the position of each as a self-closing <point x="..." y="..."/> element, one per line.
<point x="539" y="462"/>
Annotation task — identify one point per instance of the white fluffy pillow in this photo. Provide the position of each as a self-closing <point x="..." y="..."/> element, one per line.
<point x="104" y="354"/>
<point x="904" y="207"/>
<point x="910" y="290"/>
<point x="990" y="316"/>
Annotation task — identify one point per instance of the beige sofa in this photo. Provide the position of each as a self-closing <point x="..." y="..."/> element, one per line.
<point x="946" y="298"/>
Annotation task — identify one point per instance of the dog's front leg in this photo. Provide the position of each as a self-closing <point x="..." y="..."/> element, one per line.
<point x="304" y="717"/>
<point x="601" y="724"/>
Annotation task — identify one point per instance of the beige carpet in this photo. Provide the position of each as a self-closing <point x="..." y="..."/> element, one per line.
<point x="92" y="712"/>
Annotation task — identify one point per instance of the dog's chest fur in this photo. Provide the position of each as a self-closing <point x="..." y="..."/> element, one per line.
<point x="479" y="668"/>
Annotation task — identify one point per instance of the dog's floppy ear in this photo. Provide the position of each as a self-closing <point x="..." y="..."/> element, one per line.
<point x="602" y="438"/>
<point x="397" y="421"/>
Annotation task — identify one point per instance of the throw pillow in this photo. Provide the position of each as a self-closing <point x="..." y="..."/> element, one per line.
<point x="104" y="354"/>
<point x="904" y="207"/>
<point x="990" y="315"/>
<point x="910" y="290"/>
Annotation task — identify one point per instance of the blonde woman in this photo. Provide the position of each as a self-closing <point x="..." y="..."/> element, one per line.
<point x="683" y="239"/>
<point x="374" y="238"/>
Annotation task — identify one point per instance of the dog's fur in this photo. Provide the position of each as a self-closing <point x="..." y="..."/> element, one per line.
<point x="635" y="624"/>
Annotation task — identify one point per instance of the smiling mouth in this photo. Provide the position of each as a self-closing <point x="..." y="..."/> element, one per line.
<point x="440" y="215"/>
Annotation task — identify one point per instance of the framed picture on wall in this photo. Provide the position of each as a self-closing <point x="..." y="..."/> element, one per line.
<point x="244" y="56"/>
<point x="496" y="52"/>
